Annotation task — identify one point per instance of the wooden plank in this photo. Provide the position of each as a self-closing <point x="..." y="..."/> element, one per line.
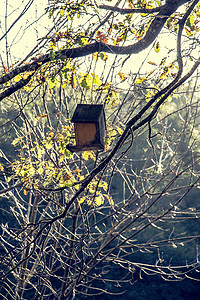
<point x="85" y="133"/>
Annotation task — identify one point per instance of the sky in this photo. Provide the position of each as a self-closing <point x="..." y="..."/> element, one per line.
<point x="23" y="36"/>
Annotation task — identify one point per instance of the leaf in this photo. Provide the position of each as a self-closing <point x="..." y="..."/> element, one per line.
<point x="49" y="145"/>
<point x="188" y="31"/>
<point x="140" y="79"/>
<point x="62" y="12"/>
<point x="85" y="155"/>
<point x="190" y="21"/>
<point x="163" y="76"/>
<point x="83" y="42"/>
<point x="101" y="37"/>
<point x="110" y="199"/>
<point x="165" y="73"/>
<point x="73" y="80"/>
<point x="40" y="170"/>
<point x="103" y="185"/>
<point x="99" y="200"/>
<point x="152" y="63"/>
<point x="97" y="80"/>
<point x="119" y="130"/>
<point x="61" y="158"/>
<point x="130" y="5"/>
<point x="51" y="84"/>
<point x="86" y="81"/>
<point x="15" y="142"/>
<point x="174" y="245"/>
<point x="26" y="75"/>
<point x="65" y="84"/>
<point x="151" y="73"/>
<point x="163" y="61"/>
<point x="103" y="56"/>
<point x="157" y="47"/>
<point x="52" y="45"/>
<point x="25" y="192"/>
<point x="95" y="56"/>
<point x="82" y="200"/>
<point x="122" y="76"/>
<point x="18" y="78"/>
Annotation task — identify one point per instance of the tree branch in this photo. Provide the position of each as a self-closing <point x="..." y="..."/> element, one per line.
<point x="131" y="10"/>
<point x="4" y="191"/>
<point x="142" y="10"/>
<point x="154" y="29"/>
<point x="20" y="84"/>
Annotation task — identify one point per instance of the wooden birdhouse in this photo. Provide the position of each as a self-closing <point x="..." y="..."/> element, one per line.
<point x="89" y="125"/>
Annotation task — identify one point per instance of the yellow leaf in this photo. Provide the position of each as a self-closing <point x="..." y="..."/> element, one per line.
<point x="122" y="76"/>
<point x="64" y="85"/>
<point x="110" y="199"/>
<point x="51" y="134"/>
<point x="83" y="42"/>
<point x="82" y="200"/>
<point x="99" y="200"/>
<point x="51" y="84"/>
<point x="40" y="170"/>
<point x="62" y="11"/>
<point x="157" y="47"/>
<point x="18" y="78"/>
<point x="163" y="75"/>
<point x="163" y="61"/>
<point x="97" y="81"/>
<point x="95" y="56"/>
<point x="152" y="63"/>
<point x="175" y="95"/>
<point x="62" y="158"/>
<point x="85" y="155"/>
<point x="91" y="155"/>
<point x="26" y="75"/>
<point x="49" y="145"/>
<point x="140" y="79"/>
<point x="120" y="131"/>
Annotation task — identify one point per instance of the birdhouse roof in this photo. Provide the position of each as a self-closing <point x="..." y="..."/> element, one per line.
<point x="88" y="113"/>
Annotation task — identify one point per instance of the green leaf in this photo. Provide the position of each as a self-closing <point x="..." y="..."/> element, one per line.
<point x="103" y="56"/>
<point x="190" y="21"/>
<point x="86" y="81"/>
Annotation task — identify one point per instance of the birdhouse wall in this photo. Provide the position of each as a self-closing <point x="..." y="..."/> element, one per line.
<point x="85" y="133"/>
<point x="101" y="129"/>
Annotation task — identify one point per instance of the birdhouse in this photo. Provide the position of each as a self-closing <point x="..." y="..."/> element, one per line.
<point x="89" y="125"/>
